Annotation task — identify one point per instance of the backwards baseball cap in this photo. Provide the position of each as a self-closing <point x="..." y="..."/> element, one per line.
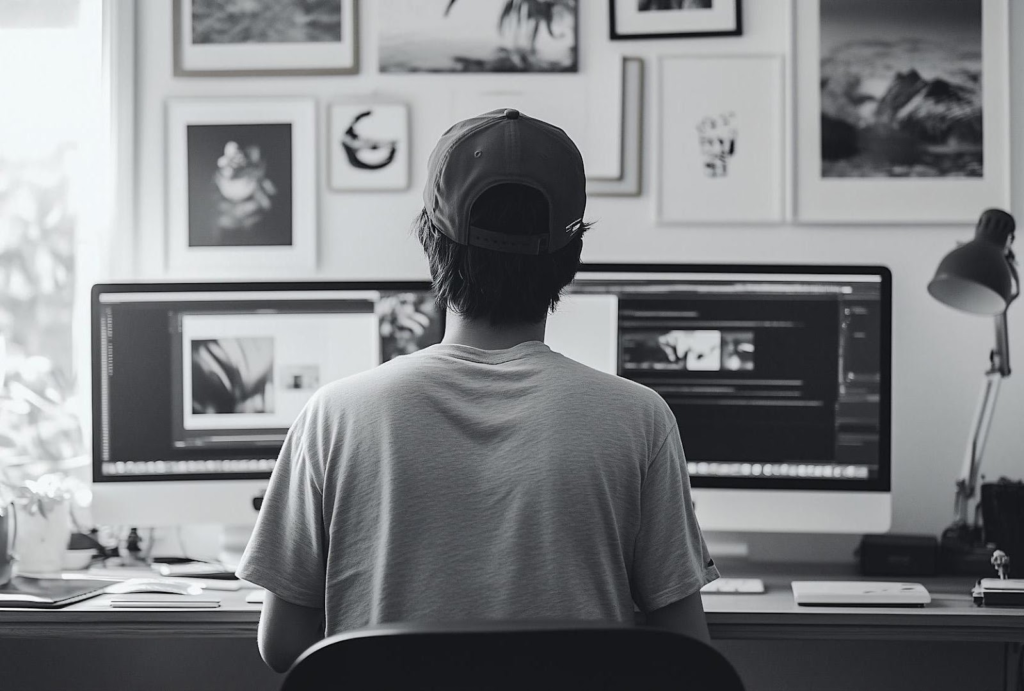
<point x="501" y="147"/>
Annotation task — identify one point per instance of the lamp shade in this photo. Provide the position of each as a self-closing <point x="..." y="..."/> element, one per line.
<point x="977" y="277"/>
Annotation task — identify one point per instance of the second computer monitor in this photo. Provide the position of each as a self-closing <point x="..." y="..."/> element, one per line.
<point x="196" y="385"/>
<point x="778" y="376"/>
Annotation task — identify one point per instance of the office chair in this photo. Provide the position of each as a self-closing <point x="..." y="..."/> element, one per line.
<point x="498" y="656"/>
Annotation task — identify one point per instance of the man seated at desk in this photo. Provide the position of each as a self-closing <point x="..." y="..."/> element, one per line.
<point x="487" y="477"/>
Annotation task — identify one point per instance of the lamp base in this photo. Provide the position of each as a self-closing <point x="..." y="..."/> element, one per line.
<point x="963" y="552"/>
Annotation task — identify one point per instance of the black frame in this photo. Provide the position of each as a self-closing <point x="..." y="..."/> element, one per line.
<point x="883" y="483"/>
<point x="270" y="286"/>
<point x="616" y="36"/>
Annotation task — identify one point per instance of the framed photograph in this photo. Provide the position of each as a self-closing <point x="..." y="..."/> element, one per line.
<point x="214" y="38"/>
<point x="722" y="138"/>
<point x="902" y="110"/>
<point x="629" y="181"/>
<point x="369" y="146"/>
<point x="633" y="19"/>
<point x="477" y="35"/>
<point x="241" y="196"/>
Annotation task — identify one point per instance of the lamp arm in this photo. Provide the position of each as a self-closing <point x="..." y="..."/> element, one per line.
<point x="967" y="482"/>
<point x="999" y="369"/>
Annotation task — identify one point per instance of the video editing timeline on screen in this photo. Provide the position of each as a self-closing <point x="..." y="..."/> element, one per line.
<point x="205" y="385"/>
<point x="777" y="378"/>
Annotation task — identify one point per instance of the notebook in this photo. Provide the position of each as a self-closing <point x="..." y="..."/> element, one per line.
<point x="48" y="593"/>
<point x="163" y="601"/>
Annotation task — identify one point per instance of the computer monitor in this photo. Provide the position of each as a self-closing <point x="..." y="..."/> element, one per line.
<point x="778" y="376"/>
<point x="195" y="385"/>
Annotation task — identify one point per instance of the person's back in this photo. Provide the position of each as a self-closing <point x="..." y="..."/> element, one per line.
<point x="486" y="477"/>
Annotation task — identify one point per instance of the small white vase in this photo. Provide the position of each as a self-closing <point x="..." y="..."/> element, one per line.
<point x="41" y="541"/>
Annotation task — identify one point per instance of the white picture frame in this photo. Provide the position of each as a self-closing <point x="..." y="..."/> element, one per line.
<point x="247" y="210"/>
<point x="721" y="153"/>
<point x="823" y="196"/>
<point x="225" y="49"/>
<point x="368" y="146"/>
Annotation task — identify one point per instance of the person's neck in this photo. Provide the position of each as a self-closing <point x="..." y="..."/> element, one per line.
<point x="479" y="333"/>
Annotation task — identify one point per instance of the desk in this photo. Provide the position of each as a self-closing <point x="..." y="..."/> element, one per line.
<point x="774" y="643"/>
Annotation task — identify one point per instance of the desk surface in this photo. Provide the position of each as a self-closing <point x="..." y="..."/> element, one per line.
<point x="951" y="616"/>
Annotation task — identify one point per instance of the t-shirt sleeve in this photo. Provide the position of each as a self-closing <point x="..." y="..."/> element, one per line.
<point x="670" y="559"/>
<point x="287" y="551"/>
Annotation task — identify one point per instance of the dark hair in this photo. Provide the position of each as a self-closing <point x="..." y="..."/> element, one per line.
<point x="502" y="287"/>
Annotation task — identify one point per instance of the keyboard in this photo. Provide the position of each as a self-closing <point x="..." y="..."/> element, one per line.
<point x="744" y="586"/>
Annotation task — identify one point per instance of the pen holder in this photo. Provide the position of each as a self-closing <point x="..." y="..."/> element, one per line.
<point x="1002" y="511"/>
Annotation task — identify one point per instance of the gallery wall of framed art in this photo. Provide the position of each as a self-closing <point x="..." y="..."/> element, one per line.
<point x="411" y="55"/>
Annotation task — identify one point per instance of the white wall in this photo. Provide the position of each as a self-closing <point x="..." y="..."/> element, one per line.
<point x="938" y="355"/>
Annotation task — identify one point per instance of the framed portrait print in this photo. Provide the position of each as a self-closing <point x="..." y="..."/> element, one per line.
<point x="722" y="134"/>
<point x="477" y="36"/>
<point x="369" y="146"/>
<point x="213" y="38"/>
<point x="902" y="110"/>
<point x="241" y="187"/>
<point x="633" y="19"/>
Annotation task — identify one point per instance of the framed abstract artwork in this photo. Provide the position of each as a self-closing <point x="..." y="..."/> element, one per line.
<point x="722" y="136"/>
<point x="902" y="110"/>
<point x="214" y="38"/>
<point x="634" y="19"/>
<point x="477" y="36"/>
<point x="369" y="146"/>
<point x="241" y="187"/>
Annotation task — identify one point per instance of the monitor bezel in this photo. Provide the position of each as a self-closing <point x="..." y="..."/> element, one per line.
<point x="882" y="483"/>
<point x="202" y="287"/>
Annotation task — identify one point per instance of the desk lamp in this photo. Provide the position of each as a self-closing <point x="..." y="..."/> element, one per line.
<point x="979" y="277"/>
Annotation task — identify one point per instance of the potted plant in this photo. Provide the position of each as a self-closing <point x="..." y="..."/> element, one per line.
<point x="44" y="520"/>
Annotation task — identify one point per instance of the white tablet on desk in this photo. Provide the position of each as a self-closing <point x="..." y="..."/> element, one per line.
<point x="863" y="593"/>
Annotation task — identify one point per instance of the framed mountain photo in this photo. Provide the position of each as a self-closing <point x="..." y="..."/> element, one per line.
<point x="902" y="110"/>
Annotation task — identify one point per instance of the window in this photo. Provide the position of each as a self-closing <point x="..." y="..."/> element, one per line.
<point x="58" y="173"/>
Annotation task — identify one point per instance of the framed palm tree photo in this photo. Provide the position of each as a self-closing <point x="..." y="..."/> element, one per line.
<point x="477" y="35"/>
<point x="638" y="19"/>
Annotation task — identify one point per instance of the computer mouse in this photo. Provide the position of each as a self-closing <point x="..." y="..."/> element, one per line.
<point x="170" y="586"/>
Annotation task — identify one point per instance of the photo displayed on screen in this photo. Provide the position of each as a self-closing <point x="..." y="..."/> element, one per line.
<point x="779" y="377"/>
<point x="236" y="371"/>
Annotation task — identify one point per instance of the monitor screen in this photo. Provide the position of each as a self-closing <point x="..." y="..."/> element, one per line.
<point x="779" y="377"/>
<point x="203" y="381"/>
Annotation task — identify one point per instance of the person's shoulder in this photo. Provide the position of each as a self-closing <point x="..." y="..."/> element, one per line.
<point x="625" y="392"/>
<point x="371" y="383"/>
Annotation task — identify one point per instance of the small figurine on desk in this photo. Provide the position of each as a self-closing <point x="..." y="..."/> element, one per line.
<point x="1002" y="591"/>
<point x="1001" y="561"/>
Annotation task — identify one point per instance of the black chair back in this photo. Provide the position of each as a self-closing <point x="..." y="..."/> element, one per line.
<point x="521" y="656"/>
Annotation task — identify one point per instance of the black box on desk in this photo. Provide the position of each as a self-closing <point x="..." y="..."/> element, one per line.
<point x="899" y="555"/>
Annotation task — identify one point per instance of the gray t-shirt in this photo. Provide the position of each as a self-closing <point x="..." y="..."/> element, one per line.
<point x="465" y="484"/>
